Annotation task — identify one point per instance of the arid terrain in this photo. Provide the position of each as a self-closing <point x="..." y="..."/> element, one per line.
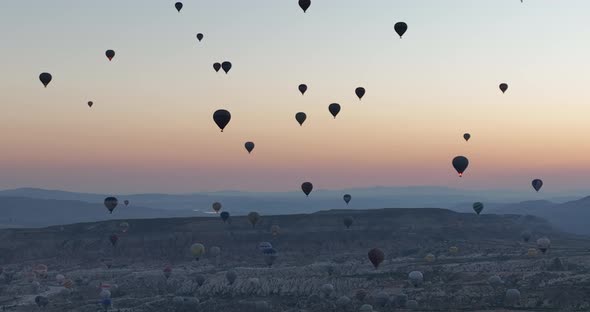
<point x="321" y="265"/>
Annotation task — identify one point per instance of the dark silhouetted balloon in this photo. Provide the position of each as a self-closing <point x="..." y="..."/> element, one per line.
<point x="45" y="78"/>
<point x="537" y="184"/>
<point x="114" y="239"/>
<point x="216" y="207"/>
<point x="249" y="146"/>
<point x="543" y="244"/>
<point x="304" y="4"/>
<point x="224" y="216"/>
<point x="253" y="217"/>
<point x="467" y="136"/>
<point x="376" y="256"/>
<point x="300" y="117"/>
<point x="334" y="109"/>
<point x="111" y="203"/>
<point x="199" y="36"/>
<point x="347" y="198"/>
<point x="360" y="92"/>
<point x="217" y="66"/>
<point x="178" y="6"/>
<point x="226" y="66"/>
<point x="221" y="118"/>
<point x="90" y="103"/>
<point x="110" y="54"/>
<point x="503" y="87"/>
<point x="347" y="221"/>
<point x="126" y="202"/>
<point x="477" y="207"/>
<point x="460" y="163"/>
<point x="302" y="88"/>
<point x="307" y="187"/>
<point x="400" y="28"/>
<point x="231" y="276"/>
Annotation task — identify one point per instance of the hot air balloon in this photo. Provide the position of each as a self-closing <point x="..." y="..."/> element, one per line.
<point x="224" y="216"/>
<point x="199" y="37"/>
<point x="495" y="280"/>
<point x="249" y="146"/>
<point x="253" y="217"/>
<point x="416" y="278"/>
<point x="90" y="103"/>
<point x="221" y="118"/>
<point x="453" y="250"/>
<point x="543" y="244"/>
<point x="360" y="92"/>
<point x="214" y="251"/>
<point x="114" y="238"/>
<point x="347" y="198"/>
<point x="226" y="66"/>
<point x="460" y="163"/>
<point x="45" y="78"/>
<point x="537" y="184"/>
<point x="264" y="245"/>
<point x="477" y="207"/>
<point x="167" y="271"/>
<point x="178" y="6"/>
<point x="376" y="256"/>
<point x="300" y="117"/>
<point x="304" y="4"/>
<point x="531" y="252"/>
<point x="270" y="255"/>
<point x="512" y="297"/>
<point x="217" y="66"/>
<point x="231" y="276"/>
<point x="334" y="109"/>
<point x="126" y="202"/>
<point x="275" y="230"/>
<point x="467" y="136"/>
<point x="430" y="258"/>
<point x="216" y="207"/>
<point x="347" y="221"/>
<point x="302" y="88"/>
<point x="110" y="54"/>
<point x="60" y="278"/>
<point x="111" y="203"/>
<point x="124" y="226"/>
<point x="68" y="284"/>
<point x="306" y="187"/>
<point x="503" y="87"/>
<point x="40" y="271"/>
<point x="197" y="250"/>
<point x="400" y="28"/>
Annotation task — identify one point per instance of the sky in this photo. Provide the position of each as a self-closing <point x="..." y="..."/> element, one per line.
<point x="151" y="127"/>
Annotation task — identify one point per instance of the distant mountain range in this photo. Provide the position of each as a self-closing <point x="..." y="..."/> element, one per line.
<point x="33" y="207"/>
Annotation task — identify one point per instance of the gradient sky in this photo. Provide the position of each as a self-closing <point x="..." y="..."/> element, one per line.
<point x="151" y="127"/>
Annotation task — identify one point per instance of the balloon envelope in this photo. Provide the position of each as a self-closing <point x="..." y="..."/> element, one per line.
<point x="347" y="198"/>
<point x="300" y="117"/>
<point x="400" y="28"/>
<point x="304" y="4"/>
<point x="197" y="250"/>
<point x="90" y="103"/>
<point x="111" y="203"/>
<point x="221" y="118"/>
<point x="178" y="6"/>
<point x="334" y="109"/>
<point x="110" y="54"/>
<point x="477" y="207"/>
<point x="224" y="216"/>
<point x="347" y="221"/>
<point x="253" y="217"/>
<point x="460" y="164"/>
<point x="307" y="187"/>
<point x="360" y="92"/>
<point x="249" y="146"/>
<point x="216" y="206"/>
<point x="467" y="136"/>
<point x="376" y="256"/>
<point x="217" y="66"/>
<point x="226" y="66"/>
<point x="302" y="88"/>
<point x="45" y="78"/>
<point x="199" y="36"/>
<point x="537" y="184"/>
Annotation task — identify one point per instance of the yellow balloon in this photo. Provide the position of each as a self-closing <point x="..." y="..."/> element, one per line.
<point x="197" y="250"/>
